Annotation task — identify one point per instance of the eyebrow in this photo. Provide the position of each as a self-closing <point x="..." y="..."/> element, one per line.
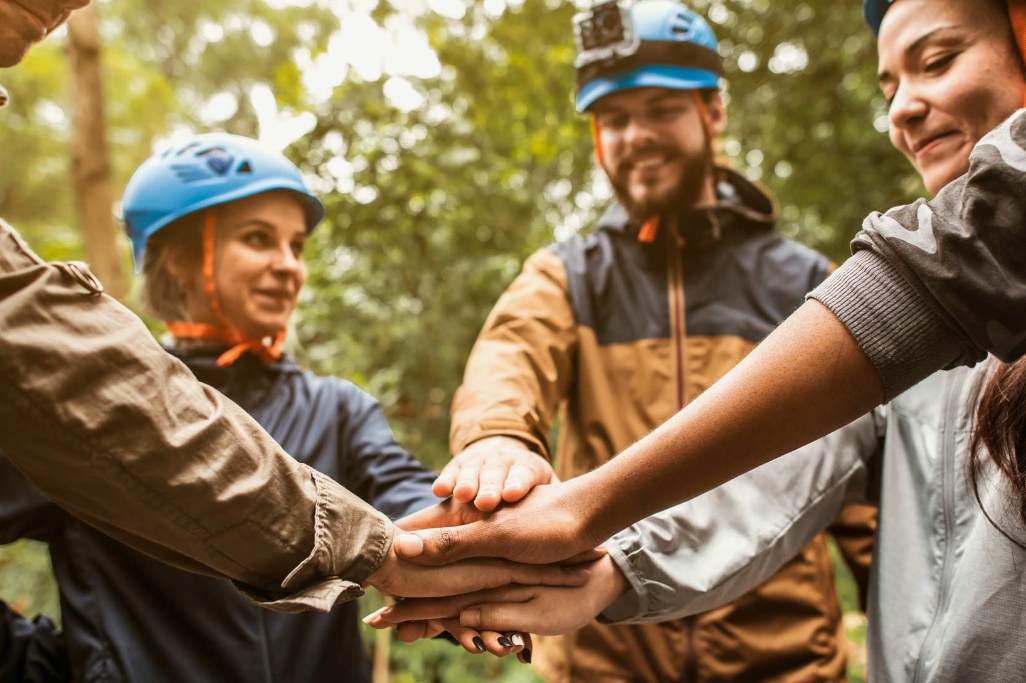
<point x="917" y="45"/>
<point x="657" y="98"/>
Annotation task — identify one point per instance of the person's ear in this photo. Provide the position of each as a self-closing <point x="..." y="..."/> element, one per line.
<point x="180" y="267"/>
<point x="717" y="114"/>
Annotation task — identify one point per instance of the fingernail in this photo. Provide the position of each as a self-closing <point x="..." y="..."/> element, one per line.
<point x="505" y="642"/>
<point x="409" y="545"/>
<point x="526" y="654"/>
<point x="517" y="639"/>
<point x="479" y="643"/>
<point x="375" y="614"/>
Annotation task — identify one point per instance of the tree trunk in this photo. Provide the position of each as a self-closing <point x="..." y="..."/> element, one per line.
<point x="90" y="154"/>
<point x="382" y="645"/>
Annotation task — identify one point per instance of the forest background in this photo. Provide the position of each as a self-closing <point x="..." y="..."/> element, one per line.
<point x="442" y="137"/>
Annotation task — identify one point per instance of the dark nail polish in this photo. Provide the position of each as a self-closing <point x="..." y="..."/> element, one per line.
<point x="526" y="654"/>
<point x="505" y="642"/>
<point x="479" y="643"/>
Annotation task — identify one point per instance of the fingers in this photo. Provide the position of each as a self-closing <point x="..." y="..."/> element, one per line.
<point x="435" y="547"/>
<point x="587" y="556"/>
<point x="493" y="478"/>
<point x="443" y="608"/>
<point x="473" y="641"/>
<point x="475" y="575"/>
<point x="505" y="616"/>
<point x="523" y="477"/>
<point x="446" y="480"/>
<point x="412" y="631"/>
<point x="467" y="480"/>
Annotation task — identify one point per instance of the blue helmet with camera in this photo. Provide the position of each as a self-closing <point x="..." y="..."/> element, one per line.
<point x="651" y="44"/>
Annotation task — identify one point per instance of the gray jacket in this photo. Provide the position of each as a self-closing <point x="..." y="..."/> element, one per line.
<point x="947" y="599"/>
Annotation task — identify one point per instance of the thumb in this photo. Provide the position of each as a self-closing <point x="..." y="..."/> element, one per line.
<point x="435" y="547"/>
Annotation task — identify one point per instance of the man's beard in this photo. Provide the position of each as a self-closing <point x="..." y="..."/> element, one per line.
<point x="683" y="197"/>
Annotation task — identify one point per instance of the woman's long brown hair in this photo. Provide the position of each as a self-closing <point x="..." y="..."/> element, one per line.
<point x="1000" y="433"/>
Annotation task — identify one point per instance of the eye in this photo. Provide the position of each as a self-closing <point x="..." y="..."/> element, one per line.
<point x="936" y="65"/>
<point x="256" y="238"/>
<point x="615" y="121"/>
<point x="666" y="113"/>
<point x="297" y="247"/>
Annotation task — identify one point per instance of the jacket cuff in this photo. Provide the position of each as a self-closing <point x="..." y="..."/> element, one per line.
<point x="351" y="540"/>
<point x="634" y="603"/>
<point x="899" y="332"/>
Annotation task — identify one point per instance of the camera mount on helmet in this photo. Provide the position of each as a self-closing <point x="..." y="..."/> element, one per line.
<point x="604" y="33"/>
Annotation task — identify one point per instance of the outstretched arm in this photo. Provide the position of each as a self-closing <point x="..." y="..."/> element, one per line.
<point x="783" y="395"/>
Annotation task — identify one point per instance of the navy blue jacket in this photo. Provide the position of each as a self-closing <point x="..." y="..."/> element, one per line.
<point x="128" y="617"/>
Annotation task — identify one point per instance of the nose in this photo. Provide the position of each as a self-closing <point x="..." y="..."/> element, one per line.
<point x="637" y="133"/>
<point x="907" y="108"/>
<point x="286" y="261"/>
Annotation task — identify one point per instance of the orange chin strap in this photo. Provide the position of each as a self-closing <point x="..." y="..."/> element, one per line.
<point x="1017" y="15"/>
<point x="650" y="230"/>
<point x="223" y="331"/>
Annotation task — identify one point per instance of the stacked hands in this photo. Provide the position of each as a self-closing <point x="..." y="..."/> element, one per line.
<point x="491" y="564"/>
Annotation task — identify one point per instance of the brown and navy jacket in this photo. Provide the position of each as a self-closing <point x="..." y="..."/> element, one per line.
<point x="615" y="335"/>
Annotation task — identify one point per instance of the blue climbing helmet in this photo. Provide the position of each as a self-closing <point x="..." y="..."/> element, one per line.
<point x="873" y="11"/>
<point x="653" y="43"/>
<point x="204" y="171"/>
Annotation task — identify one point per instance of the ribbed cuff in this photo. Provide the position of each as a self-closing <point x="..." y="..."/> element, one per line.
<point x="903" y="337"/>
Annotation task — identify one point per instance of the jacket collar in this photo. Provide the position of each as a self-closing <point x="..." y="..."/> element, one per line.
<point x="739" y="203"/>
<point x="203" y="357"/>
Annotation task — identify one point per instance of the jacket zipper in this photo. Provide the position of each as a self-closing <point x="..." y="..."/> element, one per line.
<point x="678" y="325"/>
<point x="948" y="494"/>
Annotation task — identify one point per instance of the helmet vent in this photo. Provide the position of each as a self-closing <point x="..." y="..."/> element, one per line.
<point x="245" y="168"/>
<point x="681" y="24"/>
<point x="191" y="173"/>
<point x="183" y="150"/>
<point x="218" y="159"/>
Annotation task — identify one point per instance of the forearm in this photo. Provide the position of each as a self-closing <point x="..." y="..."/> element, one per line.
<point x="706" y="552"/>
<point x="807" y="379"/>
<point x="109" y="426"/>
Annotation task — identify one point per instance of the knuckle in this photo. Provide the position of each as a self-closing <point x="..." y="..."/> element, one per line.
<point x="448" y="541"/>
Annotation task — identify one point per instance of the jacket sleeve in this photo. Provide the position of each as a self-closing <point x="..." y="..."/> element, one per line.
<point x="119" y="433"/>
<point x="942" y="283"/>
<point x="521" y="366"/>
<point x="31" y="651"/>
<point x="709" y="551"/>
<point x="376" y="468"/>
<point x="24" y="512"/>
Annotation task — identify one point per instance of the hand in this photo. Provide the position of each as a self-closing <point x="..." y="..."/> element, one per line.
<point x="473" y="641"/>
<point x="537" y="609"/>
<point x="398" y="577"/>
<point x="493" y="470"/>
<point x="551" y="524"/>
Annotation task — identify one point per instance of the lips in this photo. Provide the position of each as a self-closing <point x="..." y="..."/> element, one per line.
<point x="926" y="143"/>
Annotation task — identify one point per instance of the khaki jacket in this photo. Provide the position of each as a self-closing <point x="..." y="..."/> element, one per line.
<point x="112" y="428"/>
<point x="616" y="336"/>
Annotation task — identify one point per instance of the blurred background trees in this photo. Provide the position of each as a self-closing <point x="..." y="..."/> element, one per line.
<point x="442" y="136"/>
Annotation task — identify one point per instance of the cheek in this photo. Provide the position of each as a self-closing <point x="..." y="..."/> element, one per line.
<point x="898" y="141"/>
<point x="234" y="269"/>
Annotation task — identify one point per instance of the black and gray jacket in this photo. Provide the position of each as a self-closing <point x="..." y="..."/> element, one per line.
<point x="942" y="283"/>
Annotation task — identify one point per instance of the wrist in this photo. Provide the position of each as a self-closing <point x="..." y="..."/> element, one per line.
<point x="610" y="582"/>
<point x="591" y="509"/>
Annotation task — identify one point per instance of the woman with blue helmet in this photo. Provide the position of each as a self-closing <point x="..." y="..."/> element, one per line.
<point x="218" y="224"/>
<point x="947" y="596"/>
